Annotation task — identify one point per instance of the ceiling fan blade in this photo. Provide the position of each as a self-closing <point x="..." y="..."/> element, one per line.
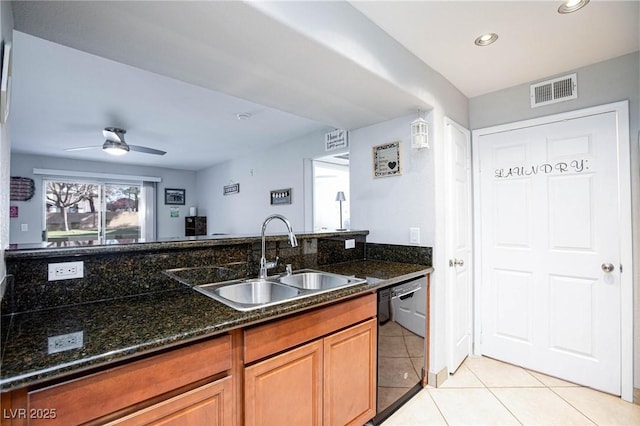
<point x="146" y="150"/>
<point x="82" y="148"/>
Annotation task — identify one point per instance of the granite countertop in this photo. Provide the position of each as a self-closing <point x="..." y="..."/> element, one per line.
<point x="119" y="329"/>
<point x="18" y="251"/>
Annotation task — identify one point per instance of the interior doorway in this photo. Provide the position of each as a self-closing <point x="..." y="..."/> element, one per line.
<point x="330" y="178"/>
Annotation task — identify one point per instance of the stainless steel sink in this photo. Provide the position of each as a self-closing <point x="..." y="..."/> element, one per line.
<point x="318" y="281"/>
<point x="251" y="294"/>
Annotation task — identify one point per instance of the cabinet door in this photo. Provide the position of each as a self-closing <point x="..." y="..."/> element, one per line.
<point x="286" y="389"/>
<point x="211" y="404"/>
<point x="350" y="375"/>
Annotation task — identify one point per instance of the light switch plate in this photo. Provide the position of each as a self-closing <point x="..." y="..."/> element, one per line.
<point x="350" y="243"/>
<point x="414" y="235"/>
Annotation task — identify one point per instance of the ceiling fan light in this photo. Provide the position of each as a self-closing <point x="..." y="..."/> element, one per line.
<point x="115" y="148"/>
<point x="570" y="6"/>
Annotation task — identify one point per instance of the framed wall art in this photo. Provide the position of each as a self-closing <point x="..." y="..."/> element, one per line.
<point x="232" y="188"/>
<point x="386" y="160"/>
<point x="173" y="196"/>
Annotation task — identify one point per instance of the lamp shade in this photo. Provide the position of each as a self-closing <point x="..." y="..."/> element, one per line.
<point x="340" y="196"/>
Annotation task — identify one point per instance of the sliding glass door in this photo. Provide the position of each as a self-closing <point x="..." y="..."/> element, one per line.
<point x="87" y="213"/>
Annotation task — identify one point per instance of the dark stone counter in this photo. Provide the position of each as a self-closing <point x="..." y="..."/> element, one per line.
<point x="122" y="328"/>
<point x="25" y="251"/>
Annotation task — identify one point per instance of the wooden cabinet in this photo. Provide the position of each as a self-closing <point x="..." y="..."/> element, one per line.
<point x="177" y="378"/>
<point x="328" y="381"/>
<point x="285" y="389"/>
<point x="350" y="375"/>
<point x="210" y="405"/>
<point x="195" y="225"/>
<point x="312" y="368"/>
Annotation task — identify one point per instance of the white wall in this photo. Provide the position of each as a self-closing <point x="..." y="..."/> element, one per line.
<point x="6" y="31"/>
<point x="278" y="167"/>
<point x="30" y="212"/>
<point x="389" y="206"/>
<point x="605" y="82"/>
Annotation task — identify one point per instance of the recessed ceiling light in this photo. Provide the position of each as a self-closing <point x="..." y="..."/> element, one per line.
<point x="243" y="116"/>
<point x="569" y="6"/>
<point x="486" y="39"/>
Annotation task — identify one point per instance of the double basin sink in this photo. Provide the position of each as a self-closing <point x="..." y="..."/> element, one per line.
<point x="249" y="294"/>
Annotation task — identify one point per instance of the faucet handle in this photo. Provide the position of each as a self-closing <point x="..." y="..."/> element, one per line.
<point x="273" y="264"/>
<point x="288" y="270"/>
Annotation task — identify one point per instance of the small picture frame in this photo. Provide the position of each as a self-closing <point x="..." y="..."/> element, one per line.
<point x="280" y="196"/>
<point x="231" y="189"/>
<point x="386" y="160"/>
<point x="174" y="196"/>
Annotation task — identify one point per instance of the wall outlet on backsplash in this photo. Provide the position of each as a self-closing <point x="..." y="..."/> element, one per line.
<point x="65" y="342"/>
<point x="350" y="243"/>
<point x="65" y="270"/>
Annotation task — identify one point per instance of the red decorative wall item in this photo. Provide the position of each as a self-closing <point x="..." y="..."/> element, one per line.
<point x="22" y="189"/>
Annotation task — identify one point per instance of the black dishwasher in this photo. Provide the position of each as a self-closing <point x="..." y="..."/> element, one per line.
<point x="402" y="325"/>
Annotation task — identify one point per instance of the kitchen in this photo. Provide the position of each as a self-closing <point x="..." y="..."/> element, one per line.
<point x="394" y="193"/>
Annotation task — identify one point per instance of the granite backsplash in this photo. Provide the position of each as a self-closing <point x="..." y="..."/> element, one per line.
<point x="116" y="273"/>
<point x="399" y="253"/>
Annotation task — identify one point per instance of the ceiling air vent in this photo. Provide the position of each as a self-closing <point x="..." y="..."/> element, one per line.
<point x="553" y="91"/>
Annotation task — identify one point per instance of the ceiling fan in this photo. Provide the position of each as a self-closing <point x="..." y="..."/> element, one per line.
<point x="115" y="144"/>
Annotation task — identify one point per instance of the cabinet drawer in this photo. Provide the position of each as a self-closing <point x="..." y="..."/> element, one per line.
<point x="105" y="392"/>
<point x="268" y="339"/>
<point x="210" y="404"/>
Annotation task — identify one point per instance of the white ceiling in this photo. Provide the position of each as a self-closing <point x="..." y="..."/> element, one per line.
<point x="175" y="74"/>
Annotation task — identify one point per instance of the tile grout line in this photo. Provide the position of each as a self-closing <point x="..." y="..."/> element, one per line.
<point x="573" y="406"/>
<point x="560" y="396"/>
<point x="438" y="408"/>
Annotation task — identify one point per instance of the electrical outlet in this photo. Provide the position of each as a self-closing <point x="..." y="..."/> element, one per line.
<point x="349" y="244"/>
<point x="65" y="270"/>
<point x="65" y="342"/>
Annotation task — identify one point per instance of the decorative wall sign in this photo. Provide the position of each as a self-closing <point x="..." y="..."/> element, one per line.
<point x="22" y="188"/>
<point x="174" y="212"/>
<point x="174" y="196"/>
<point x="13" y="211"/>
<point x="386" y="160"/>
<point x="574" y="166"/>
<point x="231" y="189"/>
<point x="335" y="140"/>
<point x="281" y="196"/>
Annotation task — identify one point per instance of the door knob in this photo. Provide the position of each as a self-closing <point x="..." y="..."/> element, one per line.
<point x="608" y="267"/>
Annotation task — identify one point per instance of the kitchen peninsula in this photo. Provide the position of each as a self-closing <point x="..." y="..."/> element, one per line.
<point x="157" y="345"/>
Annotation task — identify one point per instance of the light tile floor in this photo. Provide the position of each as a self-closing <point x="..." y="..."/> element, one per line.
<point x="488" y="392"/>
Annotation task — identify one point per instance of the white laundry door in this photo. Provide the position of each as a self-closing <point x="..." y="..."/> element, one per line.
<point x="550" y="268"/>
<point x="459" y="244"/>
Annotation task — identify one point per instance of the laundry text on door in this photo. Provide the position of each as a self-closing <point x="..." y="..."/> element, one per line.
<point x="574" y="166"/>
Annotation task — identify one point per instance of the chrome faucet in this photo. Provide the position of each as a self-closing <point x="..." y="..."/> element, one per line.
<point x="264" y="265"/>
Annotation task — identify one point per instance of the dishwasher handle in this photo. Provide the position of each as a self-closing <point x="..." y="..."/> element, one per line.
<point x="403" y="294"/>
